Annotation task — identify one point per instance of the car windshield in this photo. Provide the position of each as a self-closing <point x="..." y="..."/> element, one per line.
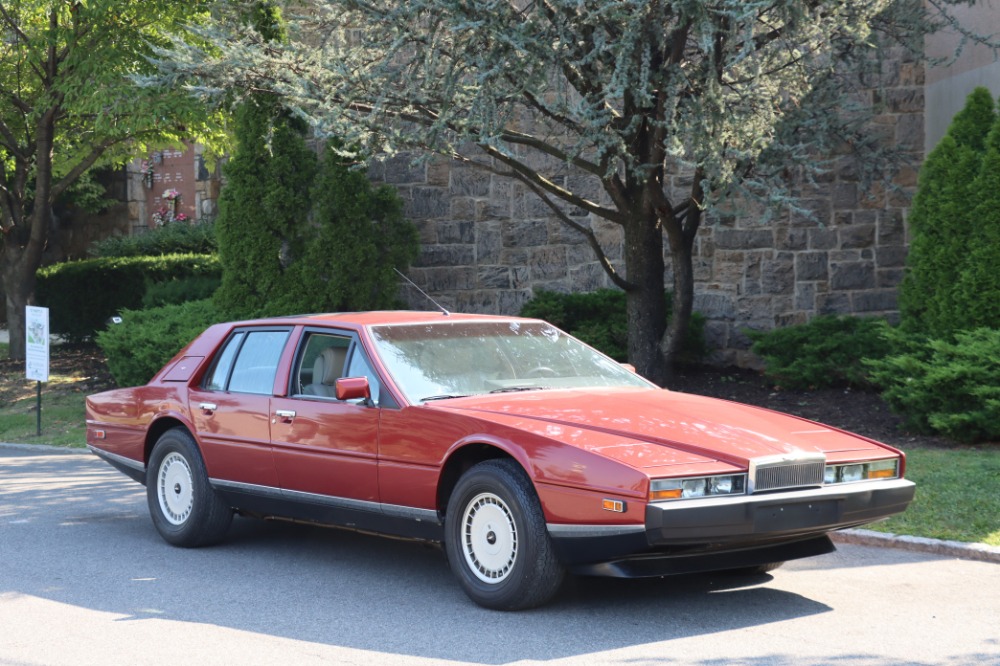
<point x="454" y="359"/>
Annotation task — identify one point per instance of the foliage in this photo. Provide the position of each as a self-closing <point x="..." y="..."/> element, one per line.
<point x="828" y="351"/>
<point x="347" y="256"/>
<point x="83" y="295"/>
<point x="573" y="96"/>
<point x="169" y="239"/>
<point x="70" y="105"/>
<point x="263" y="208"/>
<point x="949" y="387"/>
<point x="947" y="224"/>
<point x="599" y="318"/>
<point x="976" y="294"/>
<point x="137" y="348"/>
<point x="181" y="290"/>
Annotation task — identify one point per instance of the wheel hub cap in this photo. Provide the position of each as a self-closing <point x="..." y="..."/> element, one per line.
<point x="489" y="538"/>
<point x="175" y="489"/>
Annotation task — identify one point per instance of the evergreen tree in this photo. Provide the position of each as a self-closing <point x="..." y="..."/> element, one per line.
<point x="977" y="295"/>
<point x="942" y="217"/>
<point x="357" y="239"/>
<point x="263" y="207"/>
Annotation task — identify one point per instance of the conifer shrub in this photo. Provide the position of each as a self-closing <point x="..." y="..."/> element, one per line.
<point x="953" y="213"/>
<point x="263" y="208"/>
<point x="600" y="319"/>
<point x="83" y="295"/>
<point x="951" y="387"/>
<point x="146" y="339"/>
<point x="173" y="238"/>
<point x="180" y="290"/>
<point x="828" y="351"/>
<point x="345" y="259"/>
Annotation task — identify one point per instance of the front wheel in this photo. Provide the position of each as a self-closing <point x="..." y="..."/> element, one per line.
<point x="184" y="507"/>
<point x="496" y="539"/>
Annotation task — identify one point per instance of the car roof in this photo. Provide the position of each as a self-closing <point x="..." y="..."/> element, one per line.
<point x="379" y="318"/>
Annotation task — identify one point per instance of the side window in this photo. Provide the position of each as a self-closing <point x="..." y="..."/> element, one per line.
<point x="320" y="365"/>
<point x="257" y="362"/>
<point x="360" y="367"/>
<point x="216" y="381"/>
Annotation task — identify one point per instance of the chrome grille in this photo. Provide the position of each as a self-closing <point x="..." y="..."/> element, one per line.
<point x="793" y="470"/>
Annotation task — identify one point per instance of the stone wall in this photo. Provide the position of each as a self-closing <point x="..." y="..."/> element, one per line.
<point x="487" y="243"/>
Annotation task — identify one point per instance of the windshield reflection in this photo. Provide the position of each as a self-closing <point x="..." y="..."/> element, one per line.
<point x="455" y="359"/>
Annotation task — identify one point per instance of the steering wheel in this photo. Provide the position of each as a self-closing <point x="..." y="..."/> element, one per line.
<point x="541" y="371"/>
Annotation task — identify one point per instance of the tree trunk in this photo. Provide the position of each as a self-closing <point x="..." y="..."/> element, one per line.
<point x="647" y="312"/>
<point x="683" y="299"/>
<point x="19" y="289"/>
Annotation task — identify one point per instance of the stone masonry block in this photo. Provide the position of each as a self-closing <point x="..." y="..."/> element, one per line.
<point x="852" y="276"/>
<point x="811" y="266"/>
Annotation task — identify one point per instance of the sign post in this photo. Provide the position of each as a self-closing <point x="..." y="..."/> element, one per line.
<point x="36" y="363"/>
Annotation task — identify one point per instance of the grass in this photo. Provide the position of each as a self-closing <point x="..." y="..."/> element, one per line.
<point x="62" y="406"/>
<point x="956" y="499"/>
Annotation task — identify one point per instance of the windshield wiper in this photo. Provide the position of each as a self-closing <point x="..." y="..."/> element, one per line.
<point x="444" y="396"/>
<point x="512" y="389"/>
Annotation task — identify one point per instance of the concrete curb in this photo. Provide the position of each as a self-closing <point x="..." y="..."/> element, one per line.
<point x="44" y="448"/>
<point x="959" y="549"/>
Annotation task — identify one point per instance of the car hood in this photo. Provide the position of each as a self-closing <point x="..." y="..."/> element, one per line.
<point x="676" y="423"/>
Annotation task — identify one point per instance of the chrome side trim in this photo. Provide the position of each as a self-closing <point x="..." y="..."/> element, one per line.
<point x="393" y="510"/>
<point x="561" y="531"/>
<point x="265" y="491"/>
<point x="114" y="457"/>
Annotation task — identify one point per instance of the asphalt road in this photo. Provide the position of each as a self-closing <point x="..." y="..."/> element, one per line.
<point x="84" y="579"/>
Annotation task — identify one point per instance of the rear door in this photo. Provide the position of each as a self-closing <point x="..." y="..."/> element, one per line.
<point x="231" y="409"/>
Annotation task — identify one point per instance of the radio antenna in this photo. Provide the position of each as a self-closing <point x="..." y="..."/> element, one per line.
<point x="422" y="292"/>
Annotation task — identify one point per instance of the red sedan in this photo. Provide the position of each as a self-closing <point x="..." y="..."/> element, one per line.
<point x="524" y="452"/>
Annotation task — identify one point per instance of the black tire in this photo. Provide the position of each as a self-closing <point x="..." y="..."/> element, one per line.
<point x="496" y="540"/>
<point x="185" y="509"/>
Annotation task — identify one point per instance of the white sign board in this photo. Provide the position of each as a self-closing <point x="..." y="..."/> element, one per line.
<point x="37" y="348"/>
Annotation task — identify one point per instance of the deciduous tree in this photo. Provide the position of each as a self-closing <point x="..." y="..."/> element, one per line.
<point x="68" y="104"/>
<point x="746" y="96"/>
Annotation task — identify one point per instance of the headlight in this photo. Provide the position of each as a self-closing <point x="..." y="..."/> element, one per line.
<point x="851" y="472"/>
<point x="699" y="486"/>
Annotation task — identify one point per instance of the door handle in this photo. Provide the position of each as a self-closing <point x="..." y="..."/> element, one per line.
<point x="208" y="406"/>
<point x="285" y="414"/>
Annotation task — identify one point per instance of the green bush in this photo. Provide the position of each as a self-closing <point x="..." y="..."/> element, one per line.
<point x="263" y="207"/>
<point x="950" y="282"/>
<point x="83" y="295"/>
<point x="146" y="339"/>
<point x="173" y="238"/>
<point x="600" y="319"/>
<point x="943" y="386"/>
<point x="180" y="290"/>
<point x="828" y="351"/>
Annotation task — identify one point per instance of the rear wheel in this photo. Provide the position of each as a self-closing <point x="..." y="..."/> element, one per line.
<point x="184" y="508"/>
<point x="496" y="539"/>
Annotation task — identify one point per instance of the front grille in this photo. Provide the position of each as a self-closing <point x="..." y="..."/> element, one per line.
<point x="796" y="470"/>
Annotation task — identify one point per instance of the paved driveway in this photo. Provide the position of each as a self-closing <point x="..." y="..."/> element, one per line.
<point x="84" y="579"/>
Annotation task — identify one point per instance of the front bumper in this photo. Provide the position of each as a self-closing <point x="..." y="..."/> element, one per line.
<point x="706" y="534"/>
<point x="778" y="515"/>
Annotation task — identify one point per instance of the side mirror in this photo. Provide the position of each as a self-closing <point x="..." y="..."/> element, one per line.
<point x="629" y="367"/>
<point x="352" y="388"/>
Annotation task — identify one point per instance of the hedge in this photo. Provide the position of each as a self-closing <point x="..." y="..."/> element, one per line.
<point x="83" y="295"/>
